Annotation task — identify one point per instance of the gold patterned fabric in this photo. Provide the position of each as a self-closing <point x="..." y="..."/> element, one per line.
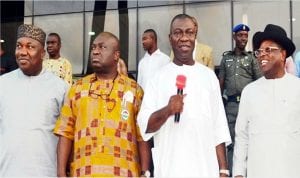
<point x="100" y="116"/>
<point x="61" y="67"/>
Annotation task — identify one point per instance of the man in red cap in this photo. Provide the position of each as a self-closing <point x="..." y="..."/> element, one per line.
<point x="268" y="124"/>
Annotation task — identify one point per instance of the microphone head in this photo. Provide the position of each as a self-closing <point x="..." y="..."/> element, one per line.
<point x="180" y="81"/>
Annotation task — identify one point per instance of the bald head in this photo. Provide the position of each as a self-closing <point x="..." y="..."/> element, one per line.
<point x="113" y="37"/>
<point x="105" y="54"/>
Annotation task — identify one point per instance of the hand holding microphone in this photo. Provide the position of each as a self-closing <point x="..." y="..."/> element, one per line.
<point x="180" y="83"/>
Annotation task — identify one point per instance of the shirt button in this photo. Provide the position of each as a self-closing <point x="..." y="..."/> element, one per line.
<point x="236" y="74"/>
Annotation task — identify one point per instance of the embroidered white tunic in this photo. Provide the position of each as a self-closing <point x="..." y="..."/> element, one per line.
<point x="267" y="142"/>
<point x="29" y="107"/>
<point x="187" y="148"/>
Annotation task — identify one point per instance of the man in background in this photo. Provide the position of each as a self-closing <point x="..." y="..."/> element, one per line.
<point x="153" y="59"/>
<point x="60" y="66"/>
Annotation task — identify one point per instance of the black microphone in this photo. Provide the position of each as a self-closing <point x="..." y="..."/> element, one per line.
<point x="180" y="83"/>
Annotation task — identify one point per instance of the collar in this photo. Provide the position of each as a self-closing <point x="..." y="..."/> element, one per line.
<point x="154" y="53"/>
<point x="22" y="75"/>
<point x="244" y="52"/>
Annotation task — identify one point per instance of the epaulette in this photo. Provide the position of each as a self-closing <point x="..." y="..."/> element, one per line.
<point x="226" y="53"/>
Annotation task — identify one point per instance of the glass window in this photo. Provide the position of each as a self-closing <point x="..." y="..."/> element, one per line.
<point x="28" y="7"/>
<point x="258" y="14"/>
<point x="132" y="3"/>
<point x="214" y="26"/>
<point x="133" y="41"/>
<point x="89" y="5"/>
<point x="70" y="29"/>
<point x="54" y="7"/>
<point x="296" y="24"/>
<point x="28" y="20"/>
<point x="87" y="38"/>
<point x="144" y="3"/>
<point x="214" y="18"/>
<point x="193" y="1"/>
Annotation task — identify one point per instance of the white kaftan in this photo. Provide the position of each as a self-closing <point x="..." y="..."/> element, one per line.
<point x="29" y="107"/>
<point x="267" y="142"/>
<point x="187" y="148"/>
<point x="149" y="65"/>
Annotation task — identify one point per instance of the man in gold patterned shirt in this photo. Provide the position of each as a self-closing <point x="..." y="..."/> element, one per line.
<point x="98" y="120"/>
<point x="57" y="64"/>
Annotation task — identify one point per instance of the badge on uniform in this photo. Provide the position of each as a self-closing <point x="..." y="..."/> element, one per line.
<point x="124" y="114"/>
<point x="127" y="97"/>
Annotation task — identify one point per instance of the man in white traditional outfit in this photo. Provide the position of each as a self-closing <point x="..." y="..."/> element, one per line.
<point x="30" y="101"/>
<point x="153" y="59"/>
<point x="268" y="124"/>
<point x="194" y="146"/>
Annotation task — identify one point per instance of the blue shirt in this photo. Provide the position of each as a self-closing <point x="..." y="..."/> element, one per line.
<point x="297" y="64"/>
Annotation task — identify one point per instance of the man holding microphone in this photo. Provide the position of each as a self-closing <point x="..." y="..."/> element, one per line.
<point x="194" y="145"/>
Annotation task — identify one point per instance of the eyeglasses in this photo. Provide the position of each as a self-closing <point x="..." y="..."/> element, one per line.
<point x="180" y="33"/>
<point x="267" y="50"/>
<point x="96" y="94"/>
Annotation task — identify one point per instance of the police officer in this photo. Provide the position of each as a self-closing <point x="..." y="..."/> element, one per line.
<point x="238" y="68"/>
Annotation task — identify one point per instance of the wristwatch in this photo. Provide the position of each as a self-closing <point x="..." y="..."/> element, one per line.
<point x="146" y="173"/>
<point x="224" y="171"/>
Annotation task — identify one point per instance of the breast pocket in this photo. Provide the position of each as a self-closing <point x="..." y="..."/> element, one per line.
<point x="48" y="108"/>
<point x="196" y="110"/>
<point x="246" y="65"/>
<point x="230" y="67"/>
